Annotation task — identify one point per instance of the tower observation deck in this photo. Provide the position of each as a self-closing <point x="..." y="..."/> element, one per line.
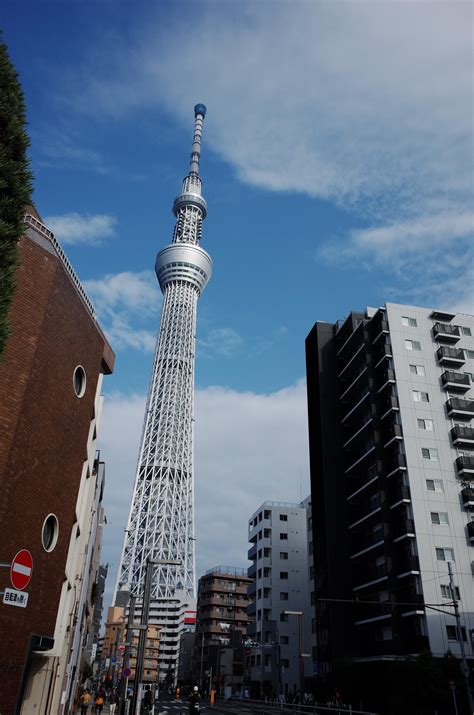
<point x="161" y="520"/>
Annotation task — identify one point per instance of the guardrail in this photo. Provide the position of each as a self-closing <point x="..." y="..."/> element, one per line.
<point x="260" y="707"/>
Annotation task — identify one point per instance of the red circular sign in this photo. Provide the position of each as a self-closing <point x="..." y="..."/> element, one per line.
<point x="21" y="569"/>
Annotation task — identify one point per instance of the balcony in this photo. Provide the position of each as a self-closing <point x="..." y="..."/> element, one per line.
<point x="387" y="378"/>
<point x="463" y="436"/>
<point x="460" y="409"/>
<point x="405" y="528"/>
<point x="470" y="530"/>
<point x="366" y="543"/>
<point x="393" y="435"/>
<point x="451" y="356"/>
<point x="252" y="570"/>
<point x="384" y="353"/>
<point x="455" y="381"/>
<point x="252" y="553"/>
<point x="444" y="333"/>
<point x="467" y="496"/>
<point x="378" y="330"/>
<point x="465" y="465"/>
<point x="367" y="576"/>
<point x="389" y="406"/>
<point x="408" y="564"/>
<point x="399" y="494"/>
<point x="360" y="513"/>
<point x="397" y="464"/>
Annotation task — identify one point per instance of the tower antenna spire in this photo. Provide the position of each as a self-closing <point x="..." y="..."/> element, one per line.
<point x="199" y="114"/>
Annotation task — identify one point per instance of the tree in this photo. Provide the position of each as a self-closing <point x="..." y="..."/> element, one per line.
<point x="15" y="183"/>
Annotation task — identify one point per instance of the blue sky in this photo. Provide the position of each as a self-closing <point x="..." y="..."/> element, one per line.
<point x="337" y="166"/>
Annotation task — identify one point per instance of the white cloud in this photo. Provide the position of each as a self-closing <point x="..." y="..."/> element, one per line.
<point x="220" y="342"/>
<point x="249" y="448"/>
<point x="74" y="228"/>
<point x="362" y="103"/>
<point x="128" y="304"/>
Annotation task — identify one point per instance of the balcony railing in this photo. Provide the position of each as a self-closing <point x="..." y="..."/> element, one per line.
<point x="463" y="436"/>
<point x="407" y="564"/>
<point x="455" y="381"/>
<point x="389" y="406"/>
<point x="399" y="494"/>
<point x="397" y="464"/>
<point x="470" y="530"/>
<point x="467" y="496"/>
<point x="365" y="543"/>
<point x="450" y="356"/>
<point x="387" y="378"/>
<point x="392" y="435"/>
<point x="446" y="333"/>
<point x="460" y="409"/>
<point x="405" y="527"/>
<point x="465" y="465"/>
<point x="364" y="576"/>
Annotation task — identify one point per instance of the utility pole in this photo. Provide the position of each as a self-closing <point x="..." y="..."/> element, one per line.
<point x="150" y="570"/>
<point x="464" y="665"/>
<point x="126" y="653"/>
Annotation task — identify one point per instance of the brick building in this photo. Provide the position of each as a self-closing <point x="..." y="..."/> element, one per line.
<point x="51" y="481"/>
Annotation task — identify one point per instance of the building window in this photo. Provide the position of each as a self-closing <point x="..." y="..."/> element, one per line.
<point x="417" y="369"/>
<point x="283" y="595"/>
<point x="284" y="640"/>
<point x="284" y="555"/>
<point x="283" y="517"/>
<point x="446" y="591"/>
<point x="283" y="617"/>
<point x="465" y="331"/>
<point x="79" y="381"/>
<point x="420" y="396"/>
<point x="434" y="485"/>
<point x="412" y="344"/>
<point x="284" y="663"/>
<point x="444" y="554"/>
<point x="429" y="453"/>
<point x="408" y="322"/>
<point x="50" y="532"/>
<point x="284" y="575"/>
<point x="439" y="517"/>
<point x="284" y="536"/>
<point x="470" y="354"/>
<point x="425" y="424"/>
<point x="453" y="634"/>
<point x="267" y="514"/>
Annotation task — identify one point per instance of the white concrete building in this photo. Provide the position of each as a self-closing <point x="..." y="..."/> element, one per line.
<point x="281" y="631"/>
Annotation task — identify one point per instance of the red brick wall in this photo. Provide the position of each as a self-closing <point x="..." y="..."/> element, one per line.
<point x="43" y="436"/>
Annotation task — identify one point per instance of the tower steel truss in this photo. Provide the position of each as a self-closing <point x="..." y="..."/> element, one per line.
<point x="161" y="521"/>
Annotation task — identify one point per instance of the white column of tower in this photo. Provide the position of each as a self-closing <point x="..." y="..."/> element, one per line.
<point x="161" y="521"/>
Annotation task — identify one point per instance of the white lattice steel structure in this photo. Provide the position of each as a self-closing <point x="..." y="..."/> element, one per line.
<point x="161" y="521"/>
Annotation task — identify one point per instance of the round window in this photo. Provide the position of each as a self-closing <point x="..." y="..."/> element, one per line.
<point x="79" y="381"/>
<point x="50" y="532"/>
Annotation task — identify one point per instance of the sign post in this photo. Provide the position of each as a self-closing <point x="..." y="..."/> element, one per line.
<point x="21" y="570"/>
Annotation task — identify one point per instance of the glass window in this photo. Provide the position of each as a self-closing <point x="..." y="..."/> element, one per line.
<point x="446" y="591"/>
<point x="409" y="322"/>
<point x="283" y="595"/>
<point x="417" y="369"/>
<point x="284" y="555"/>
<point x="444" y="554"/>
<point x="412" y="345"/>
<point x="420" y="396"/>
<point x="283" y="575"/>
<point x="434" y="485"/>
<point x="425" y="424"/>
<point x="439" y="517"/>
<point x="429" y="453"/>
<point x="453" y="634"/>
<point x="283" y="536"/>
<point x="283" y="517"/>
<point x="466" y="331"/>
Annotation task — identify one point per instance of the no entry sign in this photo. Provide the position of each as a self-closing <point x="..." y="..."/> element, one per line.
<point x="21" y="569"/>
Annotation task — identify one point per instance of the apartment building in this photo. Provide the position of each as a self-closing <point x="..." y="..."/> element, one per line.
<point x="280" y="634"/>
<point x="390" y="405"/>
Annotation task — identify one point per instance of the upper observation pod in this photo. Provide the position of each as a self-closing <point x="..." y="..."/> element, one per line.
<point x="200" y="109"/>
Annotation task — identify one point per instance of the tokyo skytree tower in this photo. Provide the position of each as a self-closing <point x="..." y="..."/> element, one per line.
<point x="161" y="521"/>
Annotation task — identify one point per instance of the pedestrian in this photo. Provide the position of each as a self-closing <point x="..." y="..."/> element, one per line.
<point x="194" y="700"/>
<point x="85" y="700"/>
<point x="99" y="701"/>
<point x="113" y="700"/>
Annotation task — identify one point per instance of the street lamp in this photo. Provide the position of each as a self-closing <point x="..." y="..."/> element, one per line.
<point x="301" y="655"/>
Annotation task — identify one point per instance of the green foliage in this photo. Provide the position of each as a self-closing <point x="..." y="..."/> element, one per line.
<point x="15" y="183"/>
